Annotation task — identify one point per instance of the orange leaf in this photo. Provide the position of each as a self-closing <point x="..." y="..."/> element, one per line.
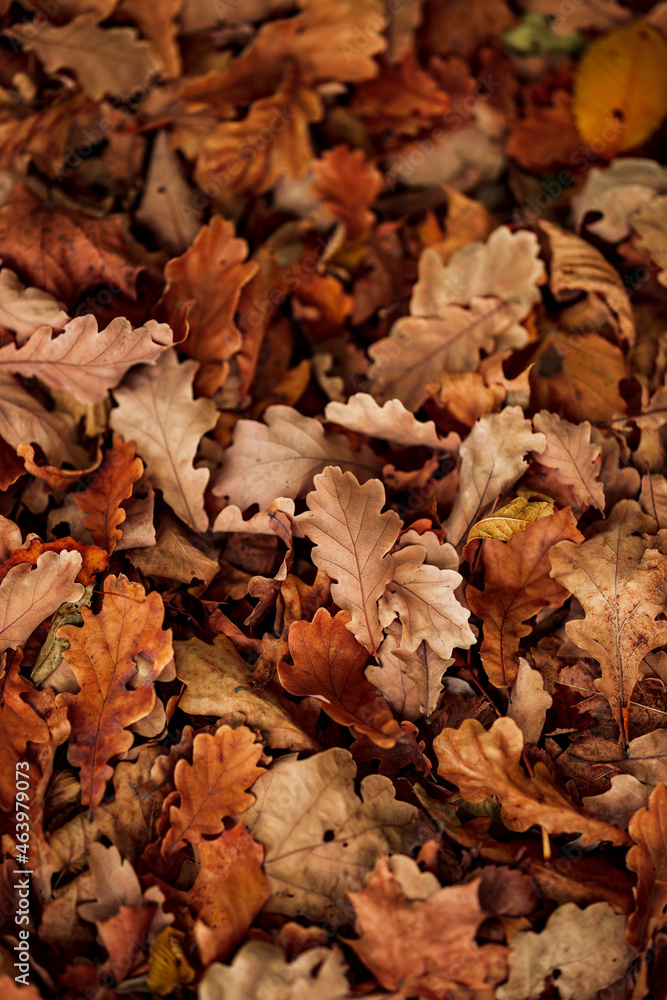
<point x="93" y="559"/>
<point x="19" y="723"/>
<point x="102" y="655"/>
<point x="111" y="484"/>
<point x="648" y="858"/>
<point x="329" y="664"/>
<point x="214" y="785"/>
<point x="348" y="185"/>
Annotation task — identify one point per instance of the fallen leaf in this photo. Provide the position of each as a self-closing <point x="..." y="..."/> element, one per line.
<point x="166" y="191"/>
<point x="570" y="452"/>
<point x="648" y="858"/>
<point x="578" y="377"/>
<point x="103" y="496"/>
<point x="176" y="554"/>
<point x="507" y="521"/>
<point x="347" y="185"/>
<point x="23" y="309"/>
<point x="392" y="422"/>
<point x="318" y="974"/>
<point x="529" y="702"/>
<point x="24" y="419"/>
<point x="30" y="594"/>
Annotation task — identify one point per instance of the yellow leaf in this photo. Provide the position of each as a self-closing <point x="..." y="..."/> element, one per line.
<point x="620" y="89"/>
<point x="168" y="965"/>
<point x="512" y="518"/>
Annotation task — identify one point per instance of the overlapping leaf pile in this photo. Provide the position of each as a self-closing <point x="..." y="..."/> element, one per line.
<point x="333" y="508"/>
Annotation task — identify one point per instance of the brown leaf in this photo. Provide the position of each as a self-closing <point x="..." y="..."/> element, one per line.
<point x="176" y="554"/>
<point x="392" y="422"/>
<point x="157" y="411"/>
<point x="570" y="452"/>
<point x="348" y="185"/>
<point x="23" y="309"/>
<point x="93" y="559"/>
<point x="578" y="376"/>
<point x="24" y="419"/>
<point x="329" y="665"/>
<point x="517" y="584"/>
<point x="29" y="595"/>
<point x="424" y="947"/>
<point x="402" y="99"/>
<point x="648" y="858"/>
<point x="102" y="656"/>
<point x="211" y="273"/>
<point x="213" y="786"/>
<point x="482" y="763"/>
<point x="102" y="498"/>
<point x="620" y="581"/>
<point x="352" y="541"/>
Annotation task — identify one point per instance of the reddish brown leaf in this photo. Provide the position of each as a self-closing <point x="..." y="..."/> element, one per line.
<point x="93" y="559"/>
<point x="111" y="484"/>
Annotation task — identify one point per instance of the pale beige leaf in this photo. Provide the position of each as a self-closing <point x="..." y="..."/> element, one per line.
<point x="615" y="192"/>
<point x="653" y="498"/>
<point x="620" y="802"/>
<point x="529" y="702"/>
<point x="83" y="360"/>
<point x="282" y="456"/>
<point x="570" y="452"/>
<point x="577" y="266"/>
<point x="23" y="418"/>
<point x="113" y="883"/>
<point x="620" y="582"/>
<point x="260" y="970"/>
<point x="422" y="669"/>
<point x="263" y="523"/>
<point x="491" y="461"/>
<point x="587" y="947"/>
<point x="651" y="224"/>
<point x="23" y="309"/>
<point x="29" y="594"/>
<point x="157" y="411"/>
<point x="105" y="60"/>
<point x="391" y="422"/>
<point x="320" y="839"/>
<point x="167" y="206"/>
<point x="175" y="556"/>
<point x="352" y="541"/>
<point x="391" y="677"/>
<point x="440" y="554"/>
<point x="422" y="597"/>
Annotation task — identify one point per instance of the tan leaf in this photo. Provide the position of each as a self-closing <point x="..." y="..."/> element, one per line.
<point x="216" y="680"/>
<point x="648" y="858"/>
<point x="213" y="786"/>
<point x="570" y="452"/>
<point x="157" y="411"/>
<point x="517" y="584"/>
<point x="113" y="882"/>
<point x="175" y="555"/>
<point x="506" y="521"/>
<point x="260" y="968"/>
<point x="529" y="702"/>
<point x="620" y="582"/>
<point x="281" y="457"/>
<point x="651" y="224"/>
<point x="491" y="461"/>
<point x="83" y="360"/>
<point x="620" y="802"/>
<point x="102" y="654"/>
<point x="30" y="594"/>
<point x="23" y="309"/>
<point x="159" y="25"/>
<point x="392" y="422"/>
<point x="165" y="195"/>
<point x="23" y="418"/>
<point x="320" y="839"/>
<point x="577" y="266"/>
<point x="393" y="679"/>
<point x="211" y="273"/>
<point x="102" y="498"/>
<point x="425" y="947"/>
<point x="352" y="541"/>
<point x="329" y="665"/>
<point x="105" y="60"/>
<point x="482" y="763"/>
<point x="567" y="942"/>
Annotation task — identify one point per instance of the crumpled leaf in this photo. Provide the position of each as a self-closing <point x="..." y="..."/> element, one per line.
<point x="620" y="582"/>
<point x="213" y="786"/>
<point x="392" y="422"/>
<point x="482" y="763"/>
<point x="352" y="541"/>
<point x="102" y="498"/>
<point x="424" y="947"/>
<point x="570" y="938"/>
<point x="318" y="974"/>
<point x="156" y="411"/>
<point x="517" y="584"/>
<point x="648" y="858"/>
<point x="491" y="461"/>
<point x="282" y="456"/>
<point x="29" y="595"/>
<point x="113" y="694"/>
<point x="320" y="839"/>
<point x="329" y="665"/>
<point x="570" y="452"/>
<point x="211" y="273"/>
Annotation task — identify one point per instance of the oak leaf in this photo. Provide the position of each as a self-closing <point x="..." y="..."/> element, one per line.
<point x="102" y="654"/>
<point x="392" y="678"/>
<point x="165" y="193"/>
<point x="105" y="60"/>
<point x="320" y="839"/>
<point x="529" y="702"/>
<point x="517" y="584"/>
<point x="648" y="858"/>
<point x="213" y="786"/>
<point x="507" y="521"/>
<point x="424" y="947"/>
<point x="281" y="457"/>
<point x="352" y="541"/>
<point x="620" y="582"/>
<point x="491" y="461"/>
<point x="30" y="594"/>
<point x="23" y="309"/>
<point x="259" y="968"/>
<point x="610" y="196"/>
<point x="402" y="99"/>
<point x="93" y="559"/>
<point x="392" y="422"/>
<point x="157" y="411"/>
<point x="24" y="419"/>
<point x="329" y="665"/>
<point x="212" y="273"/>
<point x="482" y="763"/>
<point x="176" y="555"/>
<point x="77" y="250"/>
<point x="578" y="376"/>
<point x="348" y="185"/>
<point x="102" y="498"/>
<point x="571" y="936"/>
<point x="113" y="883"/>
<point x="570" y="452"/>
